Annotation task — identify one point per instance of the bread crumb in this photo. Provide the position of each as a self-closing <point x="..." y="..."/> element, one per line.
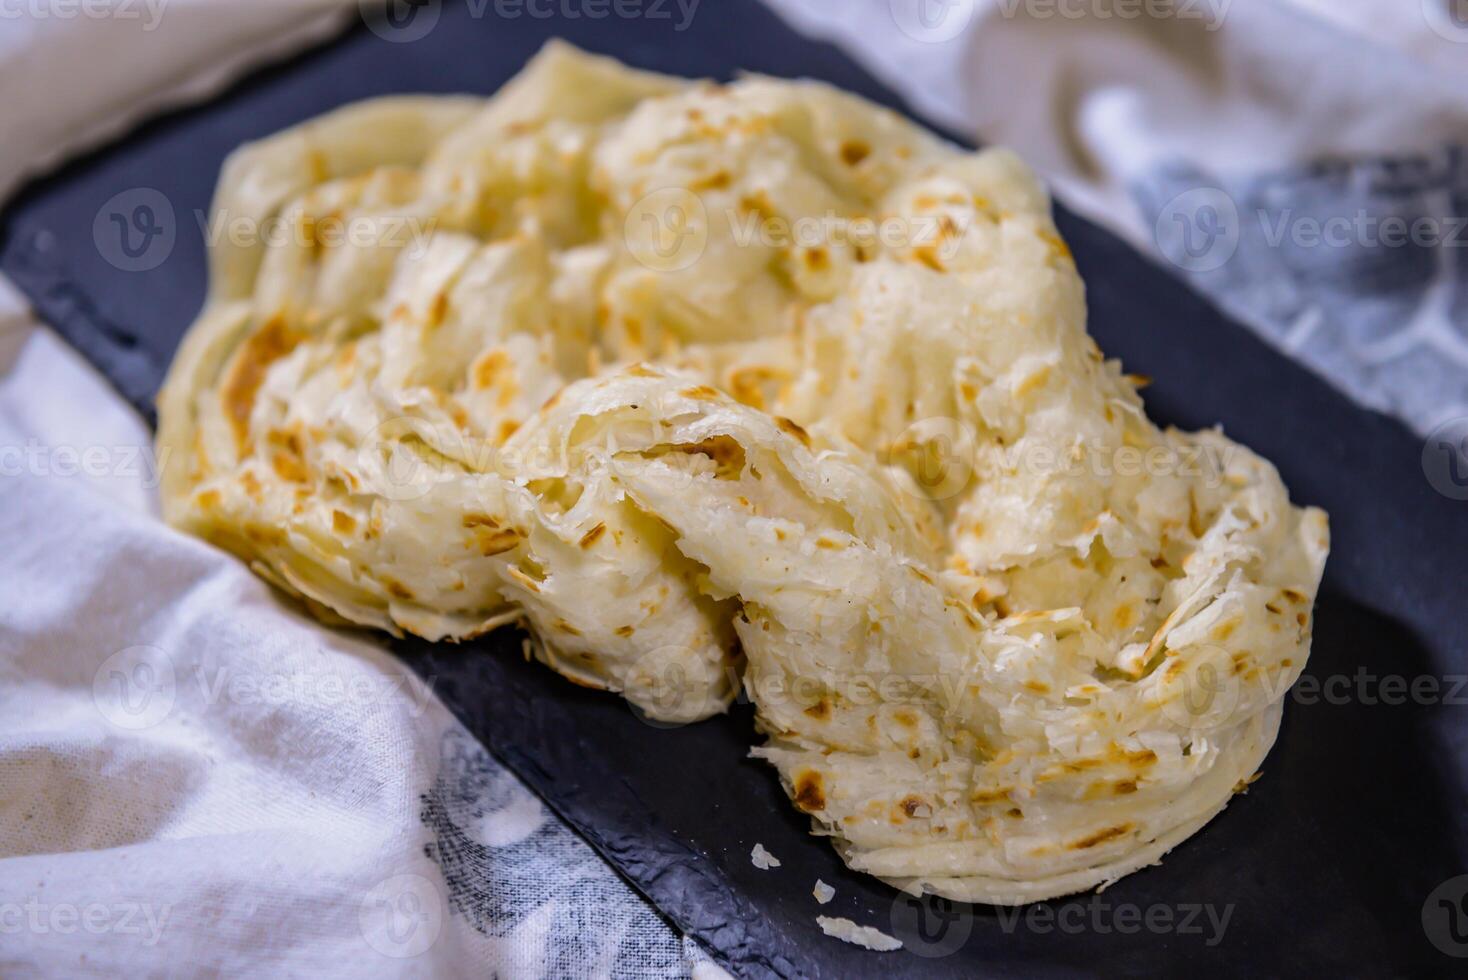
<point x="763" y="859"/>
<point x="823" y="892"/>
<point x="849" y="932"/>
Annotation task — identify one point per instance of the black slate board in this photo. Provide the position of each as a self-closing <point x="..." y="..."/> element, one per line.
<point x="1325" y="864"/>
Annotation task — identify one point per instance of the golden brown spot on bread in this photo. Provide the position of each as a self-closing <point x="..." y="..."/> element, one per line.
<point x="985" y="797"/>
<point x="1100" y="837"/>
<point x="810" y="794"/>
<point x="208" y="500"/>
<point x="625" y="630"/>
<point x="342" y="522"/>
<point x="251" y="484"/>
<point x="1138" y="758"/>
<point x="473" y="519"/>
<point x="320" y="171"/>
<point x="262" y="535"/>
<point x="928" y="256"/>
<point x="725" y="451"/>
<point x="396" y="588"/>
<point x="289" y="467"/>
<point x="758" y="203"/>
<point x="911" y="804"/>
<point x="488" y="368"/>
<point x="791" y="428"/>
<point x="494" y="542"/>
<point x="438" y="310"/>
<point x="717" y="180"/>
<point x="820" y="711"/>
<point x="1195" y="520"/>
<point x="251" y="363"/>
<point x="854" y="152"/>
<point x="1057" y="245"/>
<point x="1033" y="381"/>
<point x="525" y="580"/>
<point x="566" y="627"/>
<point x="589" y="538"/>
<point x="700" y="391"/>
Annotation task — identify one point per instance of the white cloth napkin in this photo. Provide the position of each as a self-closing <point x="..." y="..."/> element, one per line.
<point x="92" y="69"/>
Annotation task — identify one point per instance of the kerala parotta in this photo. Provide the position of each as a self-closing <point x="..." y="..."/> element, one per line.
<point x="755" y="384"/>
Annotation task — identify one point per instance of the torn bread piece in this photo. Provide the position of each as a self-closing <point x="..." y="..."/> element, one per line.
<point x="865" y="936"/>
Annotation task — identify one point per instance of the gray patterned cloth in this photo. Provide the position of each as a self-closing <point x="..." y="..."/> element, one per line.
<point x="1357" y="267"/>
